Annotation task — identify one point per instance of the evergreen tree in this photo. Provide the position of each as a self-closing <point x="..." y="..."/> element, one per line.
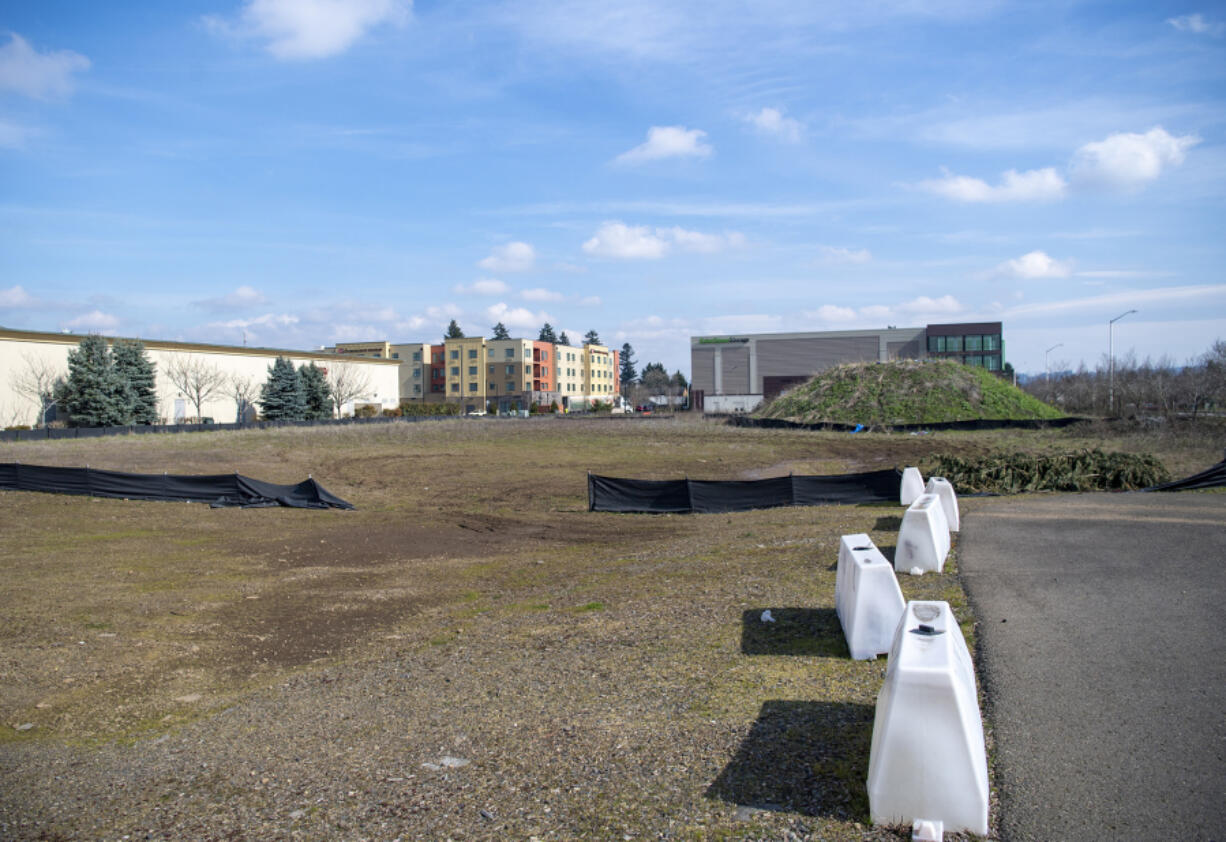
<point x="453" y="331"/>
<point x="563" y="339"/>
<point x="140" y="376"/>
<point x="282" y="397"/>
<point x="591" y="338"/>
<point x="316" y="391"/>
<point x="547" y="334"/>
<point x="679" y="381"/>
<point x="628" y="373"/>
<point x="501" y="332"/>
<point x="94" y="394"/>
<point x="655" y="378"/>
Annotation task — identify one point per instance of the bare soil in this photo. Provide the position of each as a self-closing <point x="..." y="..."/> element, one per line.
<point x="470" y="655"/>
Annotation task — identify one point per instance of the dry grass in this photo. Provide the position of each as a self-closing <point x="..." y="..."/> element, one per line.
<point x="608" y="667"/>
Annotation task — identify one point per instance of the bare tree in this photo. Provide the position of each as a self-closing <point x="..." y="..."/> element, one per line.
<point x="348" y="381"/>
<point x="36" y="381"/>
<point x="244" y="390"/>
<point x="197" y="379"/>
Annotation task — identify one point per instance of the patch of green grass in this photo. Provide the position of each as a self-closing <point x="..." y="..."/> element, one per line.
<point x="590" y="606"/>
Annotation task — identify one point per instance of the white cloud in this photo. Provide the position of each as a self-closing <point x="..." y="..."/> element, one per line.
<point x="38" y="75"/>
<point x="484" y="286"/>
<point x="590" y="301"/>
<point x="15" y="297"/>
<point x="1129" y="298"/>
<point x="267" y="320"/>
<point x="667" y="142"/>
<point x="616" y="239"/>
<point x="924" y="304"/>
<point x="516" y="317"/>
<point x="836" y="254"/>
<point x="1196" y="23"/>
<point x="1033" y="266"/>
<point x="771" y="122"/>
<point x="1041" y="185"/>
<point x="242" y="298"/>
<point x="540" y="294"/>
<point x="310" y="29"/>
<point x="1128" y="160"/>
<point x="832" y="313"/>
<point x="93" y="320"/>
<point x="511" y="257"/>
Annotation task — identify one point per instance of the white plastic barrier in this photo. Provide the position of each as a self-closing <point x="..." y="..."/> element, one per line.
<point x="944" y="489"/>
<point x="866" y="597"/>
<point x="912" y="486"/>
<point x="927" y="761"/>
<point x="923" y="538"/>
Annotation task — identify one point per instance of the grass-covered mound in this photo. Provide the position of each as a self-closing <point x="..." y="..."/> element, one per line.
<point x="1014" y="473"/>
<point x="905" y="392"/>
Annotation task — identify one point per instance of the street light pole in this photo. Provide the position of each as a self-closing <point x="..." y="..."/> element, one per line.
<point x="1111" y="360"/>
<point x="1047" y="365"/>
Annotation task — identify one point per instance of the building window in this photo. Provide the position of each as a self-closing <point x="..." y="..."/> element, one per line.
<point x="396" y="356"/>
<point x="544" y="355"/>
<point x="974" y="343"/>
<point x="991" y="362"/>
<point x="417" y="356"/>
<point x="455" y="355"/>
<point x="455" y="387"/>
<point x="436" y="373"/>
<point x="544" y="371"/>
<point x="472" y="371"/>
<point x="953" y="343"/>
<point x="490" y="353"/>
<point x="493" y="387"/>
<point x="510" y="369"/>
<point x="991" y="342"/>
<point x="472" y="387"/>
<point x="975" y="360"/>
<point x="510" y="354"/>
<point x="455" y="371"/>
<point x="417" y="373"/>
<point x="510" y="386"/>
<point x="936" y="344"/>
<point x="417" y="388"/>
<point x="472" y="353"/>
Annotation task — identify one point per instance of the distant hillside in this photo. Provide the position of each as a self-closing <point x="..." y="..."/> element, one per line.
<point x="905" y="392"/>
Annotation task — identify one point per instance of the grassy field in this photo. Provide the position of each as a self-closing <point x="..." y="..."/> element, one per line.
<point x="601" y="675"/>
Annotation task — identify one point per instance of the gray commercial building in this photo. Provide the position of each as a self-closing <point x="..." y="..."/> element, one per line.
<point x="741" y="369"/>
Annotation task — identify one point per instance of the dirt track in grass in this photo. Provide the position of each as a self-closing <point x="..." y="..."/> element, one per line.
<point x="191" y="672"/>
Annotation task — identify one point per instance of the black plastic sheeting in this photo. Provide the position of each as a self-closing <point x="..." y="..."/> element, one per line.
<point x="683" y="496"/>
<point x="1214" y="477"/>
<point x="216" y="489"/>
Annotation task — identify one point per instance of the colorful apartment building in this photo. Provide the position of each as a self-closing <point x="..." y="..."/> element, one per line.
<point x="504" y="374"/>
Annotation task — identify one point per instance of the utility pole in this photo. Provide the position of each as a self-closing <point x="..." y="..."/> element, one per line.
<point x="1047" y="365"/>
<point x="1111" y="361"/>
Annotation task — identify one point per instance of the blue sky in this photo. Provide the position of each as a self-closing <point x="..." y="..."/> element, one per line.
<point x="311" y="171"/>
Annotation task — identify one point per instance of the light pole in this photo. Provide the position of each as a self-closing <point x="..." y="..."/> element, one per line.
<point x="1047" y="366"/>
<point x="1111" y="360"/>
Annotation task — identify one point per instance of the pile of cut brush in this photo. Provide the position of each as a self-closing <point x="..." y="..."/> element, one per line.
<point x="1016" y="473"/>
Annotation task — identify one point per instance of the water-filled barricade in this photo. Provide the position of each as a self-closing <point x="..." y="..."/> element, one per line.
<point x="912" y="486"/>
<point x="927" y="761"/>
<point x="944" y="489"/>
<point x="923" y="538"/>
<point x="867" y="598"/>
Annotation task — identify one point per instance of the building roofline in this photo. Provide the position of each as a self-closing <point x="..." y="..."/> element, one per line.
<point x="715" y="339"/>
<point x="50" y="337"/>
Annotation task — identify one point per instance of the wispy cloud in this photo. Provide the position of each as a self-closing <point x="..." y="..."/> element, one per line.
<point x="485" y="286"/>
<point x="771" y="122"/>
<point x="517" y="318"/>
<point x="838" y="254"/>
<point x="1042" y="185"/>
<point x="1198" y="24"/>
<point x="667" y="142"/>
<point x="16" y="298"/>
<point x="93" y="320"/>
<point x="540" y="294"/>
<point x="511" y="257"/>
<point x="310" y="29"/>
<point x="1126" y="298"/>
<point x="244" y="297"/>
<point x="631" y="242"/>
<point x="38" y="75"/>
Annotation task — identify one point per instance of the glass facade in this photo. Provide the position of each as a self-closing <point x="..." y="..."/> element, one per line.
<point x="952" y="346"/>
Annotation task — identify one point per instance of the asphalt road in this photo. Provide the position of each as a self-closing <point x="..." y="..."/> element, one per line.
<point x="1103" y="652"/>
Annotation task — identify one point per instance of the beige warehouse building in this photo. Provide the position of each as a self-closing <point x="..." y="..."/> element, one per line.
<point x="242" y="370"/>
